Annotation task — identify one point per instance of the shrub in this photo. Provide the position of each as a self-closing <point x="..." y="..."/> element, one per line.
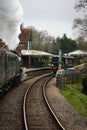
<point x="84" y="83"/>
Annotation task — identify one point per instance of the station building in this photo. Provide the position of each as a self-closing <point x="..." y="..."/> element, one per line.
<point x="31" y="58"/>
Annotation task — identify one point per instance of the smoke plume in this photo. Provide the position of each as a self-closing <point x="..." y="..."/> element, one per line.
<point x="11" y="14"/>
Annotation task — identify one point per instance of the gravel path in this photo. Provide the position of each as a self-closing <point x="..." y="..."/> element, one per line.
<point x="70" y="119"/>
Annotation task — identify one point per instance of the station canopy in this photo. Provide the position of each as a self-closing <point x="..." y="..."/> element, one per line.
<point x="78" y="53"/>
<point x="35" y="53"/>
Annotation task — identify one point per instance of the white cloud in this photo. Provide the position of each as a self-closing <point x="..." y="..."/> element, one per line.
<point x="55" y="16"/>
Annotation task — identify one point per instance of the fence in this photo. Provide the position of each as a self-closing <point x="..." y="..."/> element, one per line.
<point x="62" y="80"/>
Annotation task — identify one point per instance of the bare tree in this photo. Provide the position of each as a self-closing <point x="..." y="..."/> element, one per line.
<point x="81" y="43"/>
<point x="81" y="23"/>
<point x="41" y="40"/>
<point x="81" y="4"/>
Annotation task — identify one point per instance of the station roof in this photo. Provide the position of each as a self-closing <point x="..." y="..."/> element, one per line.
<point x="35" y="53"/>
<point x="78" y="52"/>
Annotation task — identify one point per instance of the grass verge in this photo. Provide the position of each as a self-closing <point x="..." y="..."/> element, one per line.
<point x="74" y="96"/>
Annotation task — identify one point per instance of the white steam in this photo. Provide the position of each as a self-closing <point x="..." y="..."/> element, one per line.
<point x="11" y="14"/>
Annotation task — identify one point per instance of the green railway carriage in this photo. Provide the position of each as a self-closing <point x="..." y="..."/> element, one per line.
<point x="9" y="69"/>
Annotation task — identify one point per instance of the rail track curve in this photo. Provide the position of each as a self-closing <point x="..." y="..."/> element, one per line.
<point x="36" y="113"/>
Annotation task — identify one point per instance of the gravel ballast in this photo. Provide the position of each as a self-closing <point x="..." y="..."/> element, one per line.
<point x="66" y="113"/>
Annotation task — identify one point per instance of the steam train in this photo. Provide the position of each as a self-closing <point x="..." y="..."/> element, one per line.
<point x="10" y="69"/>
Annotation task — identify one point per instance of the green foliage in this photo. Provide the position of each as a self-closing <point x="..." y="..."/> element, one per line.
<point x="65" y="44"/>
<point x="76" y="86"/>
<point x="55" y="48"/>
<point x="84" y="83"/>
<point x="41" y="40"/>
<point x="74" y="96"/>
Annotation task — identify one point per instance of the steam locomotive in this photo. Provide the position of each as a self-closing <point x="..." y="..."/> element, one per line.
<point x="10" y="69"/>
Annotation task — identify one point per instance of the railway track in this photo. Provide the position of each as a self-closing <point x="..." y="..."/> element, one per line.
<point x="11" y="115"/>
<point x="36" y="112"/>
<point x="11" y="108"/>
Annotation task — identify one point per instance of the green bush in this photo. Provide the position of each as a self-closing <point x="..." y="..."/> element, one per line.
<point x="84" y="83"/>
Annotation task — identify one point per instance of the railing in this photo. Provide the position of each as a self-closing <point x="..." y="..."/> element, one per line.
<point x="62" y="80"/>
<point x="74" y="78"/>
<point x="64" y="77"/>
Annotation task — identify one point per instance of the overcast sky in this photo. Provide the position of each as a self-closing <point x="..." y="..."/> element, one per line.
<point x="55" y="16"/>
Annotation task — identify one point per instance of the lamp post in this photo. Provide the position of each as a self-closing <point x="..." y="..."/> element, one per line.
<point x="60" y="57"/>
